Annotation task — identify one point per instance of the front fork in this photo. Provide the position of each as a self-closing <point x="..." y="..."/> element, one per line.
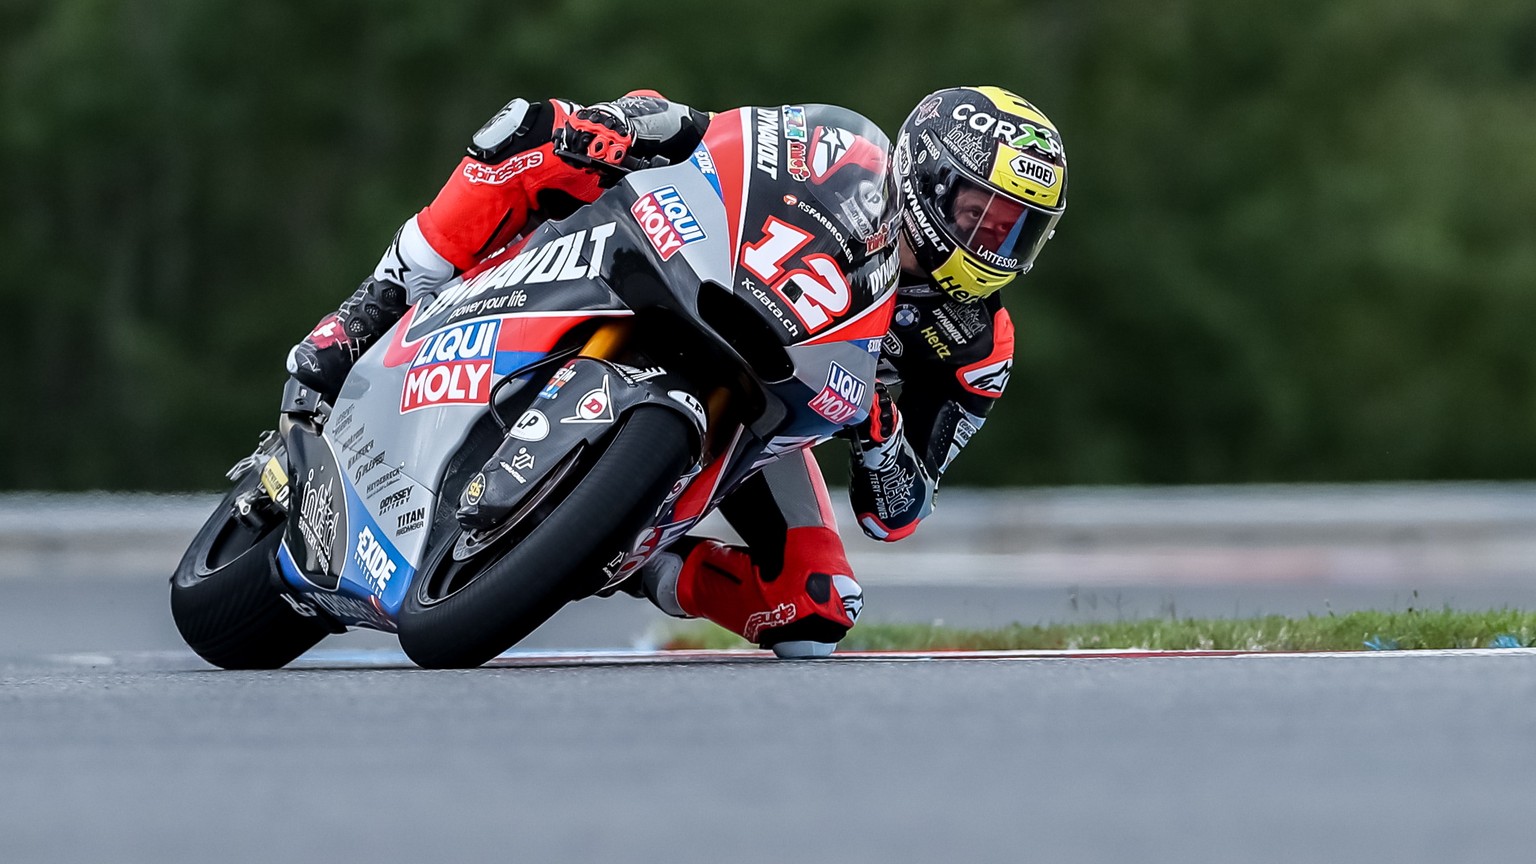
<point x="610" y="342"/>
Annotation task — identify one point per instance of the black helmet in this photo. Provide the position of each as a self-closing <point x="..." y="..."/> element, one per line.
<point x="983" y="180"/>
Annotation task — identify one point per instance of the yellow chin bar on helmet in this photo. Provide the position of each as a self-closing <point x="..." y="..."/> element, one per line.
<point x="967" y="278"/>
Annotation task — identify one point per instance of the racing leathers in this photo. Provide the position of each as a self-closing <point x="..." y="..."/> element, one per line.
<point x="790" y="588"/>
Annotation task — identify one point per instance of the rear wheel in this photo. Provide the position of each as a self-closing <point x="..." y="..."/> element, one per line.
<point x="225" y="597"/>
<point x="459" y="614"/>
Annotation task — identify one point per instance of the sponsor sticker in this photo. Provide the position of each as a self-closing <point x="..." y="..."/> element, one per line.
<point x="556" y="260"/>
<point x="317" y="518"/>
<point x="778" y="616"/>
<point x="452" y="367"/>
<point x="839" y="400"/>
<point x="596" y="406"/>
<point x="927" y="110"/>
<point x="496" y="175"/>
<point x="666" y="220"/>
<point x="395" y="499"/>
<point x="374" y="559"/>
<point x="475" y="489"/>
<point x="532" y="426"/>
<point x="1029" y="168"/>
<point x="766" y="144"/>
<point x="556" y="381"/>
<point x="411" y="520"/>
<point x="687" y="400"/>
<point x="797" y="166"/>
<point x="706" y="165"/>
<point x="832" y="145"/>
<point x="275" y="480"/>
<point x="794" y="122"/>
<point x="987" y="380"/>
<point x="350" y="609"/>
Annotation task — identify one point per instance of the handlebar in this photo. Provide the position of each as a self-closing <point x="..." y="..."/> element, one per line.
<point x="625" y="166"/>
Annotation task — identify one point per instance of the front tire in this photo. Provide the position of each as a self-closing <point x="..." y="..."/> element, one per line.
<point x="512" y="595"/>
<point x="225" y="597"/>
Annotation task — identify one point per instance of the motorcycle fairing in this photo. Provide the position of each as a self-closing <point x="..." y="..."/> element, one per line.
<point x="580" y="404"/>
<point x="567" y="273"/>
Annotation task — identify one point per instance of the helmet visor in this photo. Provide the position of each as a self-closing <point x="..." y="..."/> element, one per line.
<point x="1000" y="230"/>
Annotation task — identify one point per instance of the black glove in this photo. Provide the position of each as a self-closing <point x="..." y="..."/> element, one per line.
<point x="888" y="485"/>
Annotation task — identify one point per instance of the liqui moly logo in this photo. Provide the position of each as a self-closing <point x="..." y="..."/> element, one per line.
<point x="666" y="221"/>
<point x="839" y="400"/>
<point x="452" y="367"/>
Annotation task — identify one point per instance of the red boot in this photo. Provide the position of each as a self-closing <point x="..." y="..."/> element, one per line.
<point x="803" y="610"/>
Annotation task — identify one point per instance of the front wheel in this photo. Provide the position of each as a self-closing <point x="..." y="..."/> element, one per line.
<point x="225" y="597"/>
<point x="461" y="619"/>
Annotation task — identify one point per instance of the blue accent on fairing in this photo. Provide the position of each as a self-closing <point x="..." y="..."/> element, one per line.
<point x="708" y="172"/>
<point x="510" y="361"/>
<point x="289" y="568"/>
<point x="354" y="579"/>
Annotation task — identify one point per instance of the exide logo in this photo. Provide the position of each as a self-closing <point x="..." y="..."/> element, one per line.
<point x="839" y="400"/>
<point x="452" y="367"/>
<point x="374" y="560"/>
<point x="666" y="221"/>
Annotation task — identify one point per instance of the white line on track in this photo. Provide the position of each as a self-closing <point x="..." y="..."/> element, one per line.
<point x="342" y="658"/>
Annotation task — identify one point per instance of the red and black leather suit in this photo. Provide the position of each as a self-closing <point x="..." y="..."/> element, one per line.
<point x="790" y="587"/>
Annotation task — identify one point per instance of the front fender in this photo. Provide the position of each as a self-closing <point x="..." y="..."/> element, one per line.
<point x="580" y="404"/>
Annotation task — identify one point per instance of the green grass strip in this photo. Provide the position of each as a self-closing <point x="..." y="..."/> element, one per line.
<point x="1354" y="631"/>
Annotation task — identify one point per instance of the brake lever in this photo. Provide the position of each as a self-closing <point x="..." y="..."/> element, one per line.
<point x="624" y="167"/>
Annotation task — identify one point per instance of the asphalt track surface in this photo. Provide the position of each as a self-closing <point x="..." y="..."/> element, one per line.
<point x="116" y="744"/>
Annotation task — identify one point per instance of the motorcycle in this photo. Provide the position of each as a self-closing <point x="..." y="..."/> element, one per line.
<point x="646" y="355"/>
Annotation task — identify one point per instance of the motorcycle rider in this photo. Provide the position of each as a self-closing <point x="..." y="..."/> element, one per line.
<point x="982" y="178"/>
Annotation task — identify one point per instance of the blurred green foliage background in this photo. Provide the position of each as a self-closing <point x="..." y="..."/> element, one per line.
<point x="1299" y="244"/>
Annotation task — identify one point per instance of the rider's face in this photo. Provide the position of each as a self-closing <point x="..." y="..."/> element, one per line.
<point x="990" y="217"/>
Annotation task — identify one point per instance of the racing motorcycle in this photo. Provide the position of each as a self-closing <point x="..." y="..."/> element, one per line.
<point x="646" y="356"/>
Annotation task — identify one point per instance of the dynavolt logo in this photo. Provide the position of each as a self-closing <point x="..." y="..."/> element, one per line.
<point x="839" y="400"/>
<point x="666" y="220"/>
<point x="452" y="367"/>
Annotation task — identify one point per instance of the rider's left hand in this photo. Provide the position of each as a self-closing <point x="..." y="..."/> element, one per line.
<point x="596" y="137"/>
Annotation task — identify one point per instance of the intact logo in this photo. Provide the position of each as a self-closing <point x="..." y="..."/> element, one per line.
<point x="452" y="367"/>
<point x="839" y="400"/>
<point x="373" y="558"/>
<point x="666" y="220"/>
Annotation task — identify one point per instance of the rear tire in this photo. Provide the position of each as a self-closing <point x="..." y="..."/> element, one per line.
<point x="559" y="560"/>
<point x="225" y="597"/>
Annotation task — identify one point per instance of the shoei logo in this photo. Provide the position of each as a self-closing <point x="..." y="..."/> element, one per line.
<point x="452" y="367"/>
<point x="666" y="220"/>
<point x="1043" y="173"/>
<point x="839" y="400"/>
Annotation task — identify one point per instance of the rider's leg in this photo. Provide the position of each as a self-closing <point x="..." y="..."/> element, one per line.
<point x="790" y="588"/>
<point x="409" y="269"/>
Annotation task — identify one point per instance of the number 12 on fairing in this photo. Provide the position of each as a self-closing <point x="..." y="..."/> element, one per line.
<point x="823" y="289"/>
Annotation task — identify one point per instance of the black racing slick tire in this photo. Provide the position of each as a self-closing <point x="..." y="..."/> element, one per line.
<point x="225" y="598"/>
<point x="589" y="519"/>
